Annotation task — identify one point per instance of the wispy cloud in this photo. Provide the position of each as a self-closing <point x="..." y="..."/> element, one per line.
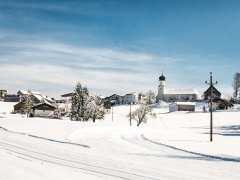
<point x="29" y="63"/>
<point x="53" y="67"/>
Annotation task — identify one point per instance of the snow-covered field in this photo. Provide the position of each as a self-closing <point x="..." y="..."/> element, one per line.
<point x="172" y="146"/>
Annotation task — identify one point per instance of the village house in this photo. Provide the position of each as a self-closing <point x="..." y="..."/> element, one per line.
<point x="130" y="98"/>
<point x="43" y="110"/>
<point x="115" y="99"/>
<point x="36" y="97"/>
<point x="11" y="98"/>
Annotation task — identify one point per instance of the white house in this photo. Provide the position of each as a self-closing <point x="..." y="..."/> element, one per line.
<point x="130" y="98"/>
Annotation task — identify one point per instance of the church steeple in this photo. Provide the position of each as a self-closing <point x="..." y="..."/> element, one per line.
<point x="161" y="88"/>
<point x="162" y="78"/>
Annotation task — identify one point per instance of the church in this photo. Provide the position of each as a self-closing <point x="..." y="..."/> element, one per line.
<point x="174" y="94"/>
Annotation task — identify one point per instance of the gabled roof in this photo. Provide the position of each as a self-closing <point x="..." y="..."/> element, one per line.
<point x="26" y="92"/>
<point x="38" y="96"/>
<point x="215" y="89"/>
<point x="184" y="103"/>
<point x="180" y="91"/>
<point x="19" y="103"/>
<point x="48" y="104"/>
<point x="113" y="96"/>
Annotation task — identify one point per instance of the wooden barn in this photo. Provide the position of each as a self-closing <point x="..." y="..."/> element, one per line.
<point x="215" y="93"/>
<point x="18" y="107"/>
<point x="219" y="103"/>
<point x="43" y="110"/>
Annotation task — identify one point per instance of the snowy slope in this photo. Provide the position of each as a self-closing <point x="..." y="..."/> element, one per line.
<point x="172" y="146"/>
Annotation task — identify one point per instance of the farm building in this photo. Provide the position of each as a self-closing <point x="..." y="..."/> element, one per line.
<point x="182" y="106"/>
<point x="43" y="110"/>
<point x="18" y="107"/>
<point x="11" y="98"/>
<point x="219" y="103"/>
<point x="215" y="93"/>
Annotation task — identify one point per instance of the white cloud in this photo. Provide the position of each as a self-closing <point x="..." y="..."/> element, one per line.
<point x="42" y="76"/>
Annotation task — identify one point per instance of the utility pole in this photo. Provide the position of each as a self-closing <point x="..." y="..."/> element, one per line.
<point x="130" y="114"/>
<point x="211" y="109"/>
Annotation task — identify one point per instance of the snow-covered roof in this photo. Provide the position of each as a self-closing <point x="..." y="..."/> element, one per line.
<point x="48" y="98"/>
<point x="101" y="96"/>
<point x="26" y="92"/>
<point x="183" y="103"/>
<point x="130" y="94"/>
<point x="38" y="96"/>
<point x="45" y="103"/>
<point x="180" y="91"/>
<point x="68" y="95"/>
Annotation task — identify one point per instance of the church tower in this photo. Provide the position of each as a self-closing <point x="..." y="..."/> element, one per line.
<point x="161" y="88"/>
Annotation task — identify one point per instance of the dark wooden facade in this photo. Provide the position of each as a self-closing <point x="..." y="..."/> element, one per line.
<point x="68" y="95"/>
<point x="44" y="106"/>
<point x="114" y="99"/>
<point x="221" y="103"/>
<point x="215" y="93"/>
<point x="18" y="107"/>
<point x="11" y="98"/>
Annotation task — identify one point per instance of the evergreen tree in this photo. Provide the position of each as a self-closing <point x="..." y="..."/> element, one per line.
<point x="84" y="101"/>
<point x="78" y="102"/>
<point x="236" y="85"/>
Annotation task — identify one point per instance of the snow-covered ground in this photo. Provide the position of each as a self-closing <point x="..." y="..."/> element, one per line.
<point x="172" y="146"/>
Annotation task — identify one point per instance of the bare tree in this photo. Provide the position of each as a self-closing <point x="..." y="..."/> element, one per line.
<point x="150" y="96"/>
<point x="236" y="84"/>
<point x="142" y="113"/>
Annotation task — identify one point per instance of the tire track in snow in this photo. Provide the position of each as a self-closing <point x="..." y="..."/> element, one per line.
<point x="72" y="164"/>
<point x="43" y="138"/>
<point x="191" y="152"/>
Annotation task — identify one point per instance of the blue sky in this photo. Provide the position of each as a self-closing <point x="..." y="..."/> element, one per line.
<point x="118" y="46"/>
